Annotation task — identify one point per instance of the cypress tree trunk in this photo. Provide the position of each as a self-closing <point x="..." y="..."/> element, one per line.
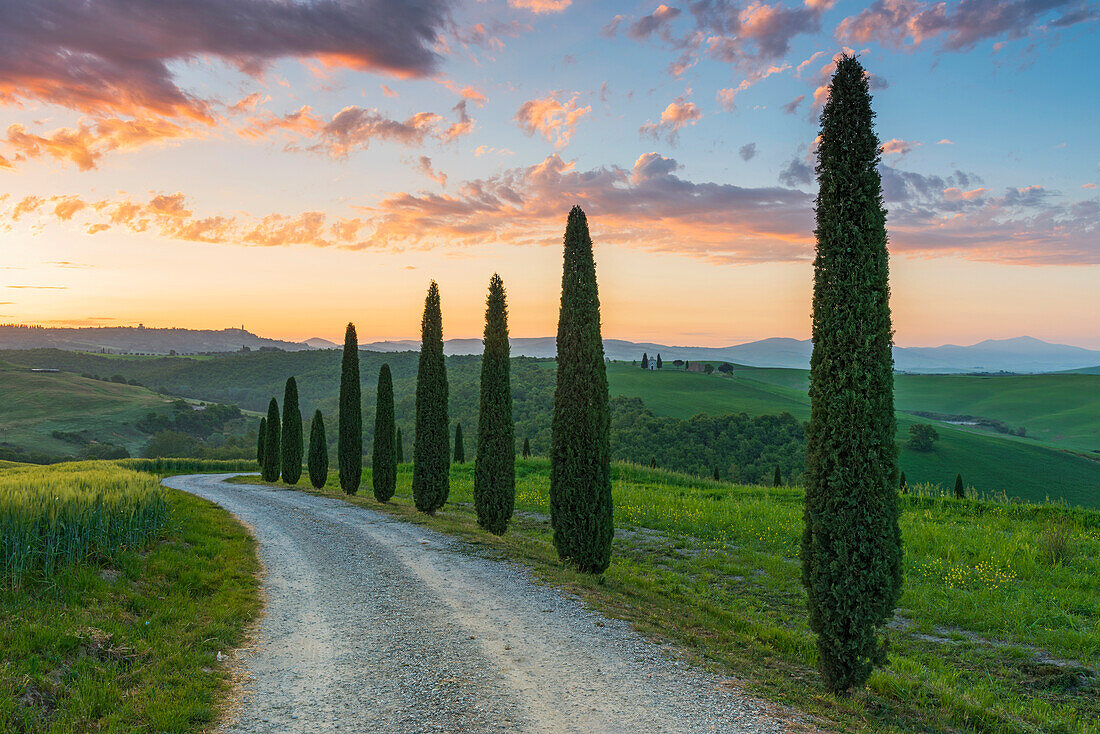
<point x="399" y="448"/>
<point x="383" y="458"/>
<point x="580" y="465"/>
<point x="431" y="445"/>
<point x="261" y="438"/>
<point x="272" y="464"/>
<point x="960" y="490"/>
<point x="460" y="449"/>
<point x="526" y="448"/>
<point x="318" y="451"/>
<point x="851" y="545"/>
<point x="292" y="434"/>
<point x="495" y="460"/>
<point x="349" y="447"/>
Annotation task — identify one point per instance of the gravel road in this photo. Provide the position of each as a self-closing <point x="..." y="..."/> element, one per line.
<point x="377" y="625"/>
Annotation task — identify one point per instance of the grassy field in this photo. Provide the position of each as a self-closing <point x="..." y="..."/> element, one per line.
<point x="990" y="462"/>
<point x="998" y="629"/>
<point x="35" y="404"/>
<point x="127" y="640"/>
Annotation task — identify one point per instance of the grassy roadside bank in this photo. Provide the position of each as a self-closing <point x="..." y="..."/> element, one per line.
<point x="998" y="630"/>
<point x="129" y="642"/>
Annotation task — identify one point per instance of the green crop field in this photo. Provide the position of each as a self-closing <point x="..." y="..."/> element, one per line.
<point x="998" y="629"/>
<point x="35" y="404"/>
<point x="990" y="462"/>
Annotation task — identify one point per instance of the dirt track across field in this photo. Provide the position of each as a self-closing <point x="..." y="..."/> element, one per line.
<point x="377" y="625"/>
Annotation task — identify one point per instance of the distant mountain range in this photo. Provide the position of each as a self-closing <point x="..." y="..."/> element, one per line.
<point x="137" y="340"/>
<point x="1022" y="354"/>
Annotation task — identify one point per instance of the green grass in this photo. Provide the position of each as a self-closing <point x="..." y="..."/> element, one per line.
<point x="35" y="404"/>
<point x="991" y="463"/>
<point x="994" y="593"/>
<point x="129" y="643"/>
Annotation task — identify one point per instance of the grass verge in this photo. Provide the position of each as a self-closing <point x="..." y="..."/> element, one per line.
<point x="130" y="643"/>
<point x="998" y="629"/>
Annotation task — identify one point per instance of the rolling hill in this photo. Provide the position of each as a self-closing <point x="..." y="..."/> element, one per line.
<point x="35" y="404"/>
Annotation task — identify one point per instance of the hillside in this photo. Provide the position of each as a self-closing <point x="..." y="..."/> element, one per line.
<point x="988" y="461"/>
<point x="33" y="405"/>
<point x="140" y="340"/>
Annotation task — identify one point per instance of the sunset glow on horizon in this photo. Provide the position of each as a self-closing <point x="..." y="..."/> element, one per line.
<point x="292" y="166"/>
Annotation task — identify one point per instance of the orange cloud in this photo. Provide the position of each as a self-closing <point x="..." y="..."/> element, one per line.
<point x="897" y="146"/>
<point x="541" y="6"/>
<point x="679" y="113"/>
<point x="90" y="140"/>
<point x="554" y="120"/>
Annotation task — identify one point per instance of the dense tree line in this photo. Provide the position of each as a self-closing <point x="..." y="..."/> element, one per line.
<point x="744" y="448"/>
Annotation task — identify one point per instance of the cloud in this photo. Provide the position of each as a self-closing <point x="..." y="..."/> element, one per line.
<point x="726" y="96"/>
<point x="553" y="119"/>
<point x="424" y="165"/>
<point x="897" y="146"/>
<point x="960" y="26"/>
<point x="658" y="22"/>
<point x="541" y="6"/>
<point x="747" y="151"/>
<point x="791" y="107"/>
<point x="944" y="141"/>
<point x="120" y="56"/>
<point x="86" y="144"/>
<point x="796" y="173"/>
<point x="354" y="128"/>
<point x="679" y="114"/>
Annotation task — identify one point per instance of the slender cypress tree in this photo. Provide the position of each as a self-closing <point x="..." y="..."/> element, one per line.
<point x="272" y="464"/>
<point x="495" y="460"/>
<point x="349" y="446"/>
<point x="432" y="445"/>
<point x="318" y="451"/>
<point x="902" y="485"/>
<point x="716" y="477"/>
<point x="292" y="434"/>
<point x="777" y="479"/>
<point x="383" y="458"/>
<point x="460" y="448"/>
<point x="645" y="361"/>
<point x="526" y="448"/>
<point x="580" y="459"/>
<point x="660" y="363"/>
<point x="261" y="439"/>
<point x="960" y="490"/>
<point x="653" y="462"/>
<point x="399" y="448"/>
<point x="851" y="544"/>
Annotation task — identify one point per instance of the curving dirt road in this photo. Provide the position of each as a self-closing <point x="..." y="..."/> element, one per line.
<point x="377" y="625"/>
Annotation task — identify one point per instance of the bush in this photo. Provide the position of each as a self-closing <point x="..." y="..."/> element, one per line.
<point x="921" y="437"/>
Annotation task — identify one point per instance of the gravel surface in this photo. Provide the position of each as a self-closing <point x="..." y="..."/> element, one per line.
<point x="377" y="625"/>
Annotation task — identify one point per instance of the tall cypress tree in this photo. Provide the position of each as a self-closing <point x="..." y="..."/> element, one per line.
<point x="432" y="444"/>
<point x="460" y="447"/>
<point x="777" y="478"/>
<point x="645" y="361"/>
<point x="526" y="448"/>
<point x="399" y="448"/>
<point x="851" y="544"/>
<point x="495" y="460"/>
<point x="383" y="458"/>
<point x="292" y="434"/>
<point x="261" y="439"/>
<point x="660" y="363"/>
<point x="580" y="459"/>
<point x="960" y="490"/>
<point x="318" y="451"/>
<point x="272" y="464"/>
<point x="349" y="446"/>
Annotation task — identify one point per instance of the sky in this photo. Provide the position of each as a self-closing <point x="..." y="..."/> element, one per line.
<point x="292" y="166"/>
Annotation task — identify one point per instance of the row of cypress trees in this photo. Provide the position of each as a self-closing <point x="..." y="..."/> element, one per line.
<point x="279" y="442"/>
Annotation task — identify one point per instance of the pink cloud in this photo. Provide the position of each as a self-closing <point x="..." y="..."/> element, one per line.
<point x="897" y="146"/>
<point x="541" y="6"/>
<point x="679" y="114"/>
<point x="550" y="117"/>
<point x="911" y="23"/>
